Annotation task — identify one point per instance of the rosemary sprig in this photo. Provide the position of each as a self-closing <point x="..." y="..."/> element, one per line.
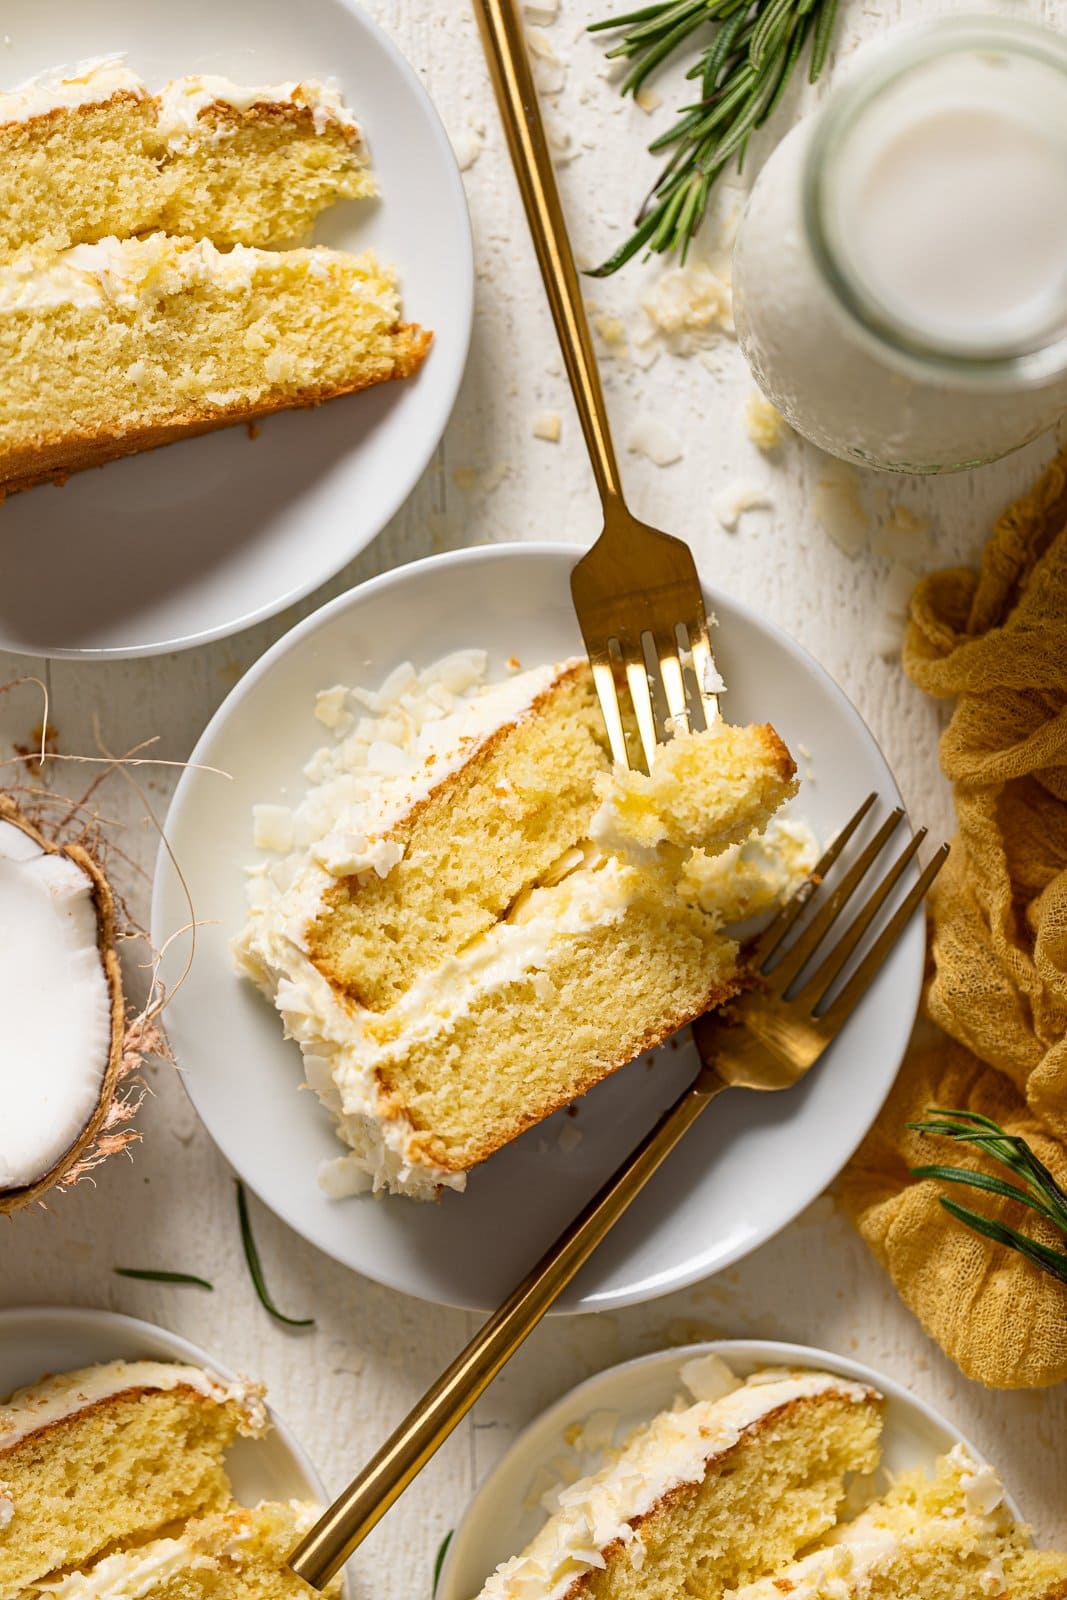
<point x="1036" y="1189"/>
<point x="162" y="1277"/>
<point x="255" y="1268"/>
<point x="439" y="1560"/>
<point x="742" y="73"/>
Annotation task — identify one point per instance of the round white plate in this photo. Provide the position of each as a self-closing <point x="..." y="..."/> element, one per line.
<point x="195" y="541"/>
<point x="745" y="1171"/>
<point x="505" y="1513"/>
<point x="39" y="1339"/>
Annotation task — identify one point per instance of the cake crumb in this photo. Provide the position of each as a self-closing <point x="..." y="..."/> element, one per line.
<point x="540" y="13"/>
<point x="840" y="511"/>
<point x="547" y="425"/>
<point x="550" y="73"/>
<point x="254" y="429"/>
<point x="688" y="306"/>
<point x="764" y="423"/>
<point x="514" y="664"/>
<point x="731" y="503"/>
<point x="612" y="330"/>
<point x="654" y="440"/>
<point x="647" y="99"/>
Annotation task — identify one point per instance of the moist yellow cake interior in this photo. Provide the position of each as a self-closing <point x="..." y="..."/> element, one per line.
<point x="184" y="334"/>
<point x="554" y="960"/>
<point x="142" y="1461"/>
<point x="256" y="175"/>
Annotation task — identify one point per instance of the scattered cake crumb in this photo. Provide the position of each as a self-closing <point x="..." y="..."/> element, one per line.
<point x="688" y="306"/>
<point x="840" y="512"/>
<point x="647" y="99"/>
<point x="731" y="503"/>
<point x="550" y="73"/>
<point x="764" y="423"/>
<point x="547" y="425"/>
<point x="540" y="13"/>
<point x="654" y="440"/>
<point x="612" y="332"/>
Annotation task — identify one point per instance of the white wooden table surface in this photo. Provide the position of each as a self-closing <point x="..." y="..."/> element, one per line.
<point x="345" y="1383"/>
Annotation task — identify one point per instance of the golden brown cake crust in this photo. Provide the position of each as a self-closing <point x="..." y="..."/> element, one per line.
<point x="12" y="1199"/>
<point x="54" y="460"/>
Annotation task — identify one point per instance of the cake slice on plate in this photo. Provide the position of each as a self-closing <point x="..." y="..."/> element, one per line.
<point x="704" y="1499"/>
<point x="475" y="922"/>
<point x="123" y="345"/>
<point x="88" y="152"/>
<point x="236" y="1554"/>
<point x="947" y="1536"/>
<point x="111" y="1453"/>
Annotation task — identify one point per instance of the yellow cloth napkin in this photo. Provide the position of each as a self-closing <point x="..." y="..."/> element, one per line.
<point x="996" y="643"/>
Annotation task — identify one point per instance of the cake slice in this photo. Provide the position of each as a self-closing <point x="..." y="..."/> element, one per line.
<point x="704" y="1499"/>
<point x="451" y="942"/>
<point x="236" y="1554"/>
<point x="110" y="1453"/>
<point x="88" y="153"/>
<point x="944" y="1537"/>
<point x="120" y="346"/>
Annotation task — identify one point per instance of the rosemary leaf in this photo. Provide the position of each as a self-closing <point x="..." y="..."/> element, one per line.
<point x="256" y="1270"/>
<point x="162" y="1277"/>
<point x="742" y="71"/>
<point x="439" y="1560"/>
<point x="1036" y="1188"/>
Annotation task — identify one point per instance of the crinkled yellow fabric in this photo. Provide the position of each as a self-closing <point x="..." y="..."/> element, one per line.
<point x="996" y="643"/>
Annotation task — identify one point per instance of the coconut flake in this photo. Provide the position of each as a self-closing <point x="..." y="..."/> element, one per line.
<point x="55" y="1006"/>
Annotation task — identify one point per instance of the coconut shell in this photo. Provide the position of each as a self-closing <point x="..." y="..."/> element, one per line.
<point x="13" y="1199"/>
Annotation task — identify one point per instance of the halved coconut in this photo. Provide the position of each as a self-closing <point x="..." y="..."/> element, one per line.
<point x="62" y="1012"/>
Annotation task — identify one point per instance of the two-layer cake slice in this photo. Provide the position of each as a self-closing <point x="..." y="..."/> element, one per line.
<point x="110" y="1454"/>
<point x="89" y="153"/>
<point x="456" y="942"/>
<point x="705" y="1498"/>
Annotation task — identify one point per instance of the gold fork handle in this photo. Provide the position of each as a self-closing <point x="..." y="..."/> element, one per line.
<point x="348" y="1521"/>
<point x="509" y="67"/>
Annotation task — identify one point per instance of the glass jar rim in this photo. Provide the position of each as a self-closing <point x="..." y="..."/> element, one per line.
<point x="946" y="36"/>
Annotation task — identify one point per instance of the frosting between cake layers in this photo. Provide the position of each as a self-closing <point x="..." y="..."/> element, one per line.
<point x="127" y="272"/>
<point x="672" y="1450"/>
<point x="181" y="101"/>
<point x="65" y="88"/>
<point x="63" y="1395"/>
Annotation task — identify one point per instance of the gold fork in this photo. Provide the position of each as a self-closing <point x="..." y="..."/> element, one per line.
<point x="638" y="598"/>
<point x="767" y="1039"/>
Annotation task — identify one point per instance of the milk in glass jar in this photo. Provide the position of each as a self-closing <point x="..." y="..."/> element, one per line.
<point x="900" y="276"/>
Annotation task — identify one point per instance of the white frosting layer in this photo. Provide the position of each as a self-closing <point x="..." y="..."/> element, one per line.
<point x="201" y="1547"/>
<point x="132" y="272"/>
<point x="64" y="1394"/>
<point x="55" y="1007"/>
<point x="420" y="727"/>
<point x="673" y="1449"/>
<point x="65" y="88"/>
<point x="181" y="102"/>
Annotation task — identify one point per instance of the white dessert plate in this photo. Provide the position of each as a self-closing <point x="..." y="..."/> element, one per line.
<point x="505" y="1513"/>
<point x="39" y="1339"/>
<point x="745" y="1171"/>
<point x="195" y="541"/>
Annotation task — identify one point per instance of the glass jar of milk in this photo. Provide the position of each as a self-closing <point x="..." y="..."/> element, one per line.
<point x="900" y="277"/>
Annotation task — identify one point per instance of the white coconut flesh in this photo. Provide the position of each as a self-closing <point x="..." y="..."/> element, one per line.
<point x="55" y="1007"/>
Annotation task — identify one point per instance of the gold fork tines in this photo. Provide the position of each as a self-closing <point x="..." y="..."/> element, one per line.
<point x="641" y="611"/>
<point x="766" y="1040"/>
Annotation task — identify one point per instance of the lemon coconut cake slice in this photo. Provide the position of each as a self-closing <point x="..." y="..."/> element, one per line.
<point x="87" y="152"/>
<point x="97" y="1457"/>
<point x="945" y="1536"/>
<point x="236" y="1554"/>
<point x="705" y="1498"/>
<point x="123" y="345"/>
<point x="469" y="921"/>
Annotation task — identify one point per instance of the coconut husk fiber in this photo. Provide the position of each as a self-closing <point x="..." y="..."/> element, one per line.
<point x="995" y="643"/>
